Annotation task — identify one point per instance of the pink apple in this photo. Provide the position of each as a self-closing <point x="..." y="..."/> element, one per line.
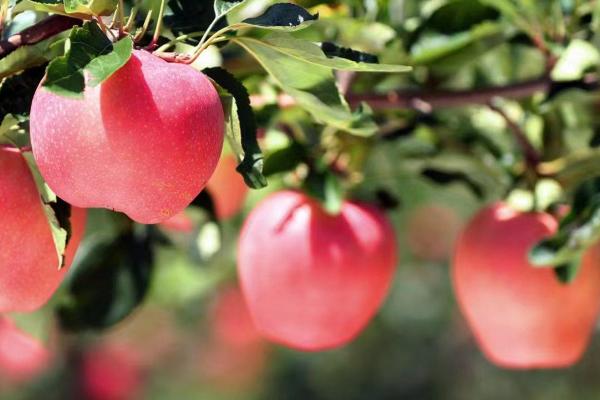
<point x="144" y="142"/>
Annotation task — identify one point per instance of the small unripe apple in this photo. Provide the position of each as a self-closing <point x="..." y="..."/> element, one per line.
<point x="29" y="272"/>
<point x="227" y="188"/>
<point x="21" y="356"/>
<point x="313" y="280"/>
<point x="522" y="316"/>
<point x="144" y="142"/>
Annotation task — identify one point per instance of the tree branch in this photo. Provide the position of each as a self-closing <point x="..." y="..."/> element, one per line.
<point x="426" y="100"/>
<point x="36" y="33"/>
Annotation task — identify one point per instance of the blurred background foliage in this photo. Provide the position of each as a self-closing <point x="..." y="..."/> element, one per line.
<point x="437" y="164"/>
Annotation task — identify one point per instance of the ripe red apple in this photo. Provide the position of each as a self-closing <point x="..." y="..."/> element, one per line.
<point x="431" y="231"/>
<point x="144" y="142"/>
<point x="29" y="274"/>
<point x="21" y="356"/>
<point x="111" y="372"/>
<point x="227" y="188"/>
<point x="312" y="280"/>
<point x="521" y="316"/>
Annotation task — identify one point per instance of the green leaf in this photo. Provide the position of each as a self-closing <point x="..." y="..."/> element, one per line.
<point x="91" y="7"/>
<point x="241" y="126"/>
<point x="577" y="58"/>
<point x="88" y="50"/>
<point x="102" y="67"/>
<point x="83" y="9"/>
<point x="282" y="16"/>
<point x="311" y="85"/>
<point x="223" y="7"/>
<point x="31" y="56"/>
<point x="459" y="15"/>
<point x="311" y="53"/>
<point x="12" y="132"/>
<point x="285" y="159"/>
<point x="433" y="48"/>
<point x="57" y="211"/>
<point x="110" y="278"/>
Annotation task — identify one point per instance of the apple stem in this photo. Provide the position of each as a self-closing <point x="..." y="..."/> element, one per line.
<point x="131" y="19"/>
<point x="141" y="33"/>
<point x="158" y="28"/>
<point x="121" y="17"/>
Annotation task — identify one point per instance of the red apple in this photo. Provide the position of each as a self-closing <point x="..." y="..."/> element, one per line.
<point x="144" y="142"/>
<point x="21" y="356"/>
<point x="312" y="280"/>
<point x="111" y="372"/>
<point x="227" y="188"/>
<point x="29" y="273"/>
<point x="431" y="232"/>
<point x="521" y="316"/>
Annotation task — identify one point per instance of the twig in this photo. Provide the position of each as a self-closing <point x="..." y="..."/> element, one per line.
<point x="532" y="158"/>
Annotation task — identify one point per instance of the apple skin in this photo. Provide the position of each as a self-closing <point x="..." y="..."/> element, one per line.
<point x="227" y="188"/>
<point x="111" y="372"/>
<point x="521" y="316"/>
<point x="28" y="263"/>
<point x="144" y="142"/>
<point x="22" y="357"/>
<point x="312" y="281"/>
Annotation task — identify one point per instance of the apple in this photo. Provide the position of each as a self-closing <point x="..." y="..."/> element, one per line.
<point x="22" y="357"/>
<point x="431" y="232"/>
<point x="144" y="142"/>
<point x="111" y="372"/>
<point x="522" y="316"/>
<point x="227" y="188"/>
<point x="29" y="273"/>
<point x="312" y="281"/>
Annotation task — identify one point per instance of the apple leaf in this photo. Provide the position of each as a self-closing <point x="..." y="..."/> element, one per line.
<point x="281" y="16"/>
<point x="90" y="7"/>
<point x="88" y="50"/>
<point x="110" y="278"/>
<point x="12" y="132"/>
<point x="223" y="7"/>
<point x="311" y="53"/>
<point x="578" y="230"/>
<point x="57" y="211"/>
<point x="309" y="82"/>
<point x="241" y="126"/>
<point x="83" y="9"/>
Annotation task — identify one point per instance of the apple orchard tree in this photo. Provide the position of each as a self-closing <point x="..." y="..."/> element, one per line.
<point x="145" y="124"/>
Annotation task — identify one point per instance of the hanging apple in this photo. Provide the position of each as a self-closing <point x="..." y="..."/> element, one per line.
<point x="522" y="316"/>
<point x="144" y="142"/>
<point x="29" y="274"/>
<point x="313" y="280"/>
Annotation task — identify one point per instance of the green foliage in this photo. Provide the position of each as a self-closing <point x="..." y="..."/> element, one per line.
<point x="88" y="50"/>
<point x="111" y="278"/>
